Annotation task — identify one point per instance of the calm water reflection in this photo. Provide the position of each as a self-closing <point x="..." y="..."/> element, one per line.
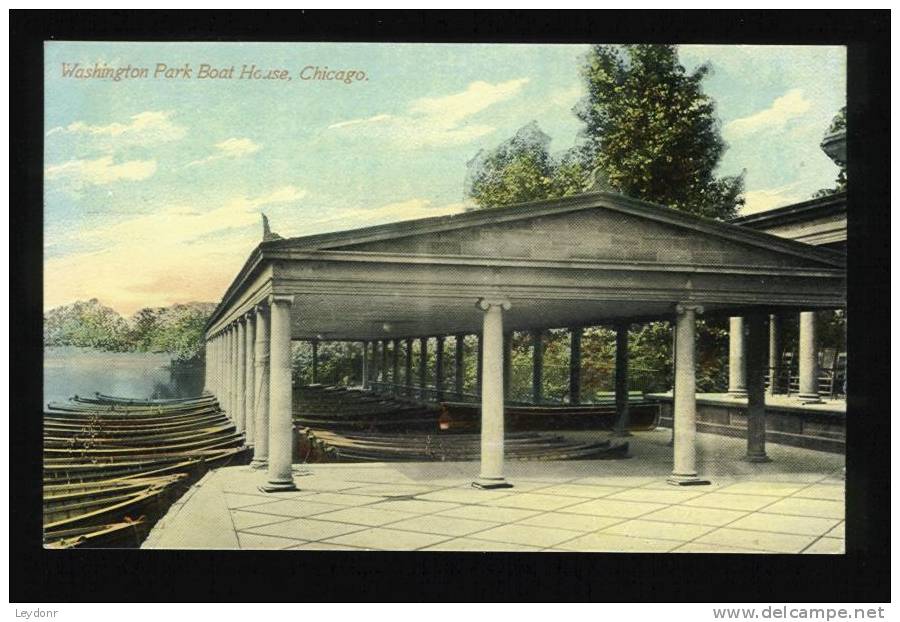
<point x="78" y="371"/>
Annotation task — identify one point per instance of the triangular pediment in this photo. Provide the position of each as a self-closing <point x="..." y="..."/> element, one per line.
<point x="590" y="227"/>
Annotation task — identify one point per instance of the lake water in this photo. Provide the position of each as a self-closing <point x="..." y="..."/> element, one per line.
<point x="79" y="371"/>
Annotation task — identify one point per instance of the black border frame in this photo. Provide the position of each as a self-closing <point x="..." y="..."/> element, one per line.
<point x="861" y="575"/>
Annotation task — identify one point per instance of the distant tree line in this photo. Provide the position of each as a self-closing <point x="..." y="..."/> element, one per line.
<point x="176" y="330"/>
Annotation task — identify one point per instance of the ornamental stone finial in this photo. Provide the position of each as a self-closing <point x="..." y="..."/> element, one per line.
<point x="268" y="234"/>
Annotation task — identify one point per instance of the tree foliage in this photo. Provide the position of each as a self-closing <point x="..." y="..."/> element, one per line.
<point x="653" y="132"/>
<point x="177" y="330"/>
<point x="521" y="169"/>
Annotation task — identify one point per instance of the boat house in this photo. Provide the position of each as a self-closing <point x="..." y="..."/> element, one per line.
<point x="590" y="259"/>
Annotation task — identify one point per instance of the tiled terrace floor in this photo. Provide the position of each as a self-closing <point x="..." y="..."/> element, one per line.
<point x="795" y="504"/>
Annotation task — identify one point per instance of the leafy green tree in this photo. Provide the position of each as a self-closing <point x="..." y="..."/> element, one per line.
<point x="86" y="324"/>
<point x="521" y="170"/>
<point x="653" y="132"/>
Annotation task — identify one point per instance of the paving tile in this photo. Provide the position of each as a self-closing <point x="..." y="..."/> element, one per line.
<point x="549" y="478"/>
<point x="293" y="507"/>
<point x="705" y="547"/>
<point x="364" y="516"/>
<point x="613" y="507"/>
<point x="760" y="540"/>
<point x="617" y="544"/>
<point x="579" y="490"/>
<point x="656" y="495"/>
<point x="417" y="506"/>
<point x="237" y="500"/>
<point x="695" y="515"/>
<point x="779" y="523"/>
<point x="390" y="490"/>
<point x="772" y="489"/>
<point x="520" y="485"/>
<point x="323" y="546"/>
<point x="837" y="532"/>
<point x="798" y="477"/>
<point x="340" y="498"/>
<point x="465" y="495"/>
<point x="304" y="529"/>
<point x="446" y="525"/>
<point x="534" y="501"/>
<point x="321" y="484"/>
<point x="388" y="539"/>
<point x="242" y="519"/>
<point x="528" y="535"/>
<point x="655" y="530"/>
<point x="488" y="513"/>
<point x="808" y="507"/>
<point x="573" y="522"/>
<point x="472" y="545"/>
<point x="828" y="546"/>
<point x="255" y="541"/>
<point x="730" y="501"/>
<point x="617" y="481"/>
<point x="831" y="492"/>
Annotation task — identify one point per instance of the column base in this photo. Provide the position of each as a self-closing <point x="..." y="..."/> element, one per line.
<point x="738" y="395"/>
<point x="691" y="479"/>
<point x="278" y="487"/>
<point x="620" y="434"/>
<point x="491" y="483"/>
<point x="809" y="398"/>
<point x="257" y="465"/>
<point x="757" y="457"/>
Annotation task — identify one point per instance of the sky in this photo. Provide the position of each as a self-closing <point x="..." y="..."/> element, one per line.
<point x="154" y="185"/>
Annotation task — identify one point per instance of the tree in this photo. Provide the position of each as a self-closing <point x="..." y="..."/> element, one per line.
<point x="86" y="324"/>
<point x="838" y="124"/>
<point x="653" y="132"/>
<point x="521" y="170"/>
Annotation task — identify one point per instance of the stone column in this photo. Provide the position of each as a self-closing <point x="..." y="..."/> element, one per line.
<point x="491" y="475"/>
<point x="261" y="389"/>
<point x="507" y="364"/>
<point x="685" y="402"/>
<point x="757" y="361"/>
<point x="621" y="427"/>
<point x="439" y="367"/>
<point x="459" y="365"/>
<point x="375" y="370"/>
<point x="241" y="382"/>
<point x="407" y="367"/>
<point x="250" y="379"/>
<point x="774" y="354"/>
<point x="479" y="371"/>
<point x="737" y="362"/>
<point x="423" y="365"/>
<point x="226" y="373"/>
<point x="395" y="365"/>
<point x="365" y="365"/>
<point x="537" y="367"/>
<point x="809" y="364"/>
<point x="384" y="360"/>
<point x="575" y="365"/>
<point x="281" y="424"/>
<point x="234" y="378"/>
<point x="207" y="365"/>
<point x="217" y="385"/>
<point x="315" y="361"/>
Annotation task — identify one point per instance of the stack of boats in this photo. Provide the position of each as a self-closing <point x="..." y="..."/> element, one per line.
<point x="112" y="466"/>
<point x="338" y="424"/>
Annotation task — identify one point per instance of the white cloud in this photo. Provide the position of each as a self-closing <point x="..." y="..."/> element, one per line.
<point x="436" y="121"/>
<point x="174" y="254"/>
<point x="101" y="171"/>
<point x="770" y="198"/>
<point x="143" y="129"/>
<point x="230" y="148"/>
<point x="784" y="109"/>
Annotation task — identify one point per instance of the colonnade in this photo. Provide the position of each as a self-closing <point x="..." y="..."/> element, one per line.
<point x="249" y="370"/>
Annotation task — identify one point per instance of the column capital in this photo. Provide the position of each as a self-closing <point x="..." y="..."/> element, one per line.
<point x="486" y="303"/>
<point x="682" y="307"/>
<point x="281" y="299"/>
<point x="250" y="315"/>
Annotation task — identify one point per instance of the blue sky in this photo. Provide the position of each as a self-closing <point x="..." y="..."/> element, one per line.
<point x="154" y="186"/>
